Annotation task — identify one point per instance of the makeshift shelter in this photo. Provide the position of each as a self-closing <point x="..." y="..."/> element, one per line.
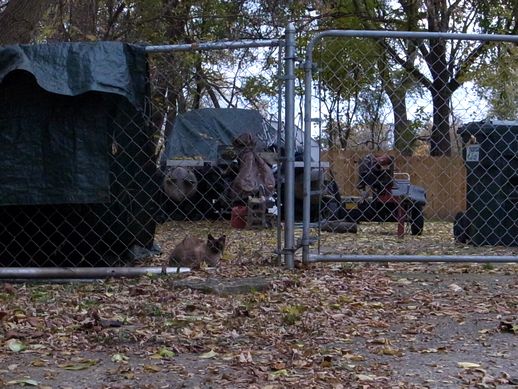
<point x="201" y="133"/>
<point x="199" y="160"/>
<point x="78" y="175"/>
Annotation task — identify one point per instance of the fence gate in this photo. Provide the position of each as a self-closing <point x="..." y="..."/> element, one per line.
<point x="203" y="150"/>
<point x="149" y="154"/>
<point x="410" y="168"/>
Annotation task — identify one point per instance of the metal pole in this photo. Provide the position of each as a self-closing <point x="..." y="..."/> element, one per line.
<point x="85" y="272"/>
<point x="306" y="211"/>
<point x="279" y="137"/>
<point x="413" y="258"/>
<point x="289" y="140"/>
<point x="411" y="35"/>
<point x="215" y="45"/>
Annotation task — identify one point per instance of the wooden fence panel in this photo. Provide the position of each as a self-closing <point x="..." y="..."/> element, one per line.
<point x="444" y="179"/>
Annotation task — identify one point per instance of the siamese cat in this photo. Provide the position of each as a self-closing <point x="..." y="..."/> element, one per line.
<point x="192" y="252"/>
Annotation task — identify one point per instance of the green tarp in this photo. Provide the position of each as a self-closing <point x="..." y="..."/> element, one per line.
<point x="55" y="127"/>
<point x="72" y="69"/>
<point x="78" y="179"/>
<point x="199" y="133"/>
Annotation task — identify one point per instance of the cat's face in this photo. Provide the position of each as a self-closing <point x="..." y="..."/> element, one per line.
<point x="216" y="245"/>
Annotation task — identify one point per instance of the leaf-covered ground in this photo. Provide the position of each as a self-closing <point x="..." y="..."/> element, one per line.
<point x="326" y="326"/>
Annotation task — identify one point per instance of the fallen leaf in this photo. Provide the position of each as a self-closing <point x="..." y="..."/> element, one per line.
<point x="80" y="365"/>
<point x="365" y="377"/>
<point x="278" y="365"/>
<point x="15" y="345"/>
<point x="468" y="365"/>
<point x="163" y="353"/>
<point x="152" y="368"/>
<point x="25" y="381"/>
<point x="507" y="326"/>
<point x="354" y="357"/>
<point x="119" y="358"/>
<point x="208" y="355"/>
<point x="39" y="363"/>
<point x="455" y="288"/>
<point x="245" y="357"/>
<point x="35" y="321"/>
<point x="279" y="373"/>
<point x="391" y="351"/>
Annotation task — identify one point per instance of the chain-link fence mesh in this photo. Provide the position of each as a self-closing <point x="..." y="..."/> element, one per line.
<point x="113" y="182"/>
<point x="421" y="137"/>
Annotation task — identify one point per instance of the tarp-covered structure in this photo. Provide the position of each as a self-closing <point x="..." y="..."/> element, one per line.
<point x="78" y="175"/>
<point x="205" y="134"/>
<point x="200" y="160"/>
<point x="199" y="133"/>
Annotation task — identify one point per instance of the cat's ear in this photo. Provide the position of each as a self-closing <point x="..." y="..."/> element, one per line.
<point x="210" y="237"/>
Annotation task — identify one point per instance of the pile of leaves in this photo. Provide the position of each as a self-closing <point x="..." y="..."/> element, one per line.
<point x="325" y="325"/>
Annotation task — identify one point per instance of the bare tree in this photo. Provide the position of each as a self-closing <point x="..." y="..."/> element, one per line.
<point x="83" y="18"/>
<point x="19" y="20"/>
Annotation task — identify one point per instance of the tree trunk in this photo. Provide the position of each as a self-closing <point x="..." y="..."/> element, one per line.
<point x="198" y="76"/>
<point x="438" y="21"/>
<point x="440" y="142"/>
<point x="19" y="20"/>
<point x="403" y="135"/>
<point x="175" y="17"/>
<point x="83" y="18"/>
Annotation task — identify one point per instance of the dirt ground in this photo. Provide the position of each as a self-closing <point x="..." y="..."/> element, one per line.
<point x="345" y="325"/>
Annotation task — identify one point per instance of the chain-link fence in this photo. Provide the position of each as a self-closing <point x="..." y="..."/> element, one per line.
<point x="113" y="153"/>
<point x="420" y="132"/>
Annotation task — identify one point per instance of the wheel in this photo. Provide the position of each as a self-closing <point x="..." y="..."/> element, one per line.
<point x="416" y="219"/>
<point x="460" y="228"/>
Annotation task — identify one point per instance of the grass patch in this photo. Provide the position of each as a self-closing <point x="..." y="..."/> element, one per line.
<point x="292" y="313"/>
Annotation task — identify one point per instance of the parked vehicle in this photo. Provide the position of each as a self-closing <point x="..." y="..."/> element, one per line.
<point x="387" y="196"/>
<point x="204" y="158"/>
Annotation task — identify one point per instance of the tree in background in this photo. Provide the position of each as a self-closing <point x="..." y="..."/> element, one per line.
<point x="192" y="80"/>
<point x="498" y="83"/>
<point x="19" y="20"/>
<point x="497" y="74"/>
<point x="346" y="74"/>
<point x="376" y="57"/>
<point x="438" y="66"/>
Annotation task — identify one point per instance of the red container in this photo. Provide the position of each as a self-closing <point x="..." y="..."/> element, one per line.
<point x="238" y="216"/>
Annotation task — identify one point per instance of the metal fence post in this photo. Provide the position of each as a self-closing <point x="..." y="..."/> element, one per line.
<point x="308" y="65"/>
<point x="289" y="193"/>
